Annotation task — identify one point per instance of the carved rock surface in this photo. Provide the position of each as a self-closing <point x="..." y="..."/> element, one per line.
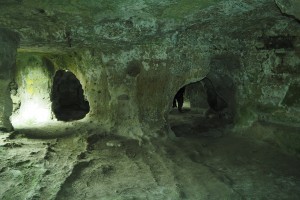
<point x="289" y="7"/>
<point x="128" y="58"/>
<point x="8" y="42"/>
<point x="131" y="57"/>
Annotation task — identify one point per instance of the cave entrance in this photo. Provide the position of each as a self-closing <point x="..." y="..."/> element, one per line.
<point x="190" y="98"/>
<point x="68" y="101"/>
<point x="203" y="112"/>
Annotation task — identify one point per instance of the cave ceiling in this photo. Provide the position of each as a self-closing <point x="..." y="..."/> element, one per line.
<point x="53" y="25"/>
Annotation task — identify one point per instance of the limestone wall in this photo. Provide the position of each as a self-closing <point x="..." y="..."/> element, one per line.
<point x="33" y="79"/>
<point x="131" y="90"/>
<point x="131" y="68"/>
<point x="8" y="43"/>
<point x="266" y="81"/>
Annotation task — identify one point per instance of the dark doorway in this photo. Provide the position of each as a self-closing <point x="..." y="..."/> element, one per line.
<point x="205" y="109"/>
<point x="68" y="102"/>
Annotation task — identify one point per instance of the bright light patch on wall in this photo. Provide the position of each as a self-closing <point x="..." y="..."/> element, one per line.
<point x="32" y="113"/>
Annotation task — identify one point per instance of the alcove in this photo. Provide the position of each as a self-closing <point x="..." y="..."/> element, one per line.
<point x="68" y="101"/>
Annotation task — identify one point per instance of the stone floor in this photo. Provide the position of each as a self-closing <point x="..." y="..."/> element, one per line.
<point x="202" y="162"/>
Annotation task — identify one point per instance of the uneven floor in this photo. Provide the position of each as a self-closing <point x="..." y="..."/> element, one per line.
<point x="200" y="163"/>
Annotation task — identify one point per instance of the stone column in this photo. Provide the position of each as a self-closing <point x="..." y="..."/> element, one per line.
<point x="8" y="46"/>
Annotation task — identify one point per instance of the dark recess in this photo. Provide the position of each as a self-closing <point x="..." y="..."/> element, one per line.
<point x="68" y="102"/>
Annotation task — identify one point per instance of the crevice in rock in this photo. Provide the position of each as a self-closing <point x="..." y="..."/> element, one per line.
<point x="286" y="14"/>
<point x="77" y="170"/>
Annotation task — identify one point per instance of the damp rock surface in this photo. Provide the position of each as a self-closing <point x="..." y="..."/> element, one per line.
<point x="289" y="7"/>
<point x="9" y="42"/>
<point x="239" y="138"/>
<point x="132" y="57"/>
<point x="196" y="165"/>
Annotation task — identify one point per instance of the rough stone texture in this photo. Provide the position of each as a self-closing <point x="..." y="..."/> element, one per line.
<point x="200" y="164"/>
<point x="33" y="77"/>
<point x="106" y="79"/>
<point x="67" y="24"/>
<point x="8" y="43"/>
<point x="289" y="7"/>
<point x="131" y="57"/>
<point x="36" y="167"/>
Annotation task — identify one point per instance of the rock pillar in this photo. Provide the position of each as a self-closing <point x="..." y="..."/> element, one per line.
<point x="8" y="46"/>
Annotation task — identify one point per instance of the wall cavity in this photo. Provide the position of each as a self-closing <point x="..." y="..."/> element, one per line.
<point x="68" y="101"/>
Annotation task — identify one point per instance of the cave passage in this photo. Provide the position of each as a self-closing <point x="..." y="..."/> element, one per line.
<point x="68" y="102"/>
<point x="201" y="113"/>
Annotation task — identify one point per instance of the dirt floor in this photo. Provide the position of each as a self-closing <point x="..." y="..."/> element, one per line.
<point x="203" y="162"/>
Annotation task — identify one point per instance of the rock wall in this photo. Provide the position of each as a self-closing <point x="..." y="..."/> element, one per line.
<point x="289" y="7"/>
<point x="267" y="79"/>
<point x="265" y="74"/>
<point x="131" y="67"/>
<point x="33" y="77"/>
<point x="131" y="90"/>
<point x="8" y="43"/>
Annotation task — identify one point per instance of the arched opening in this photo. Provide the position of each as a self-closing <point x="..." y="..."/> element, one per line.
<point x="202" y="109"/>
<point x="68" y="101"/>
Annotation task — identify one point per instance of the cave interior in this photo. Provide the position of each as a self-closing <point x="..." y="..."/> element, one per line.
<point x="190" y="99"/>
